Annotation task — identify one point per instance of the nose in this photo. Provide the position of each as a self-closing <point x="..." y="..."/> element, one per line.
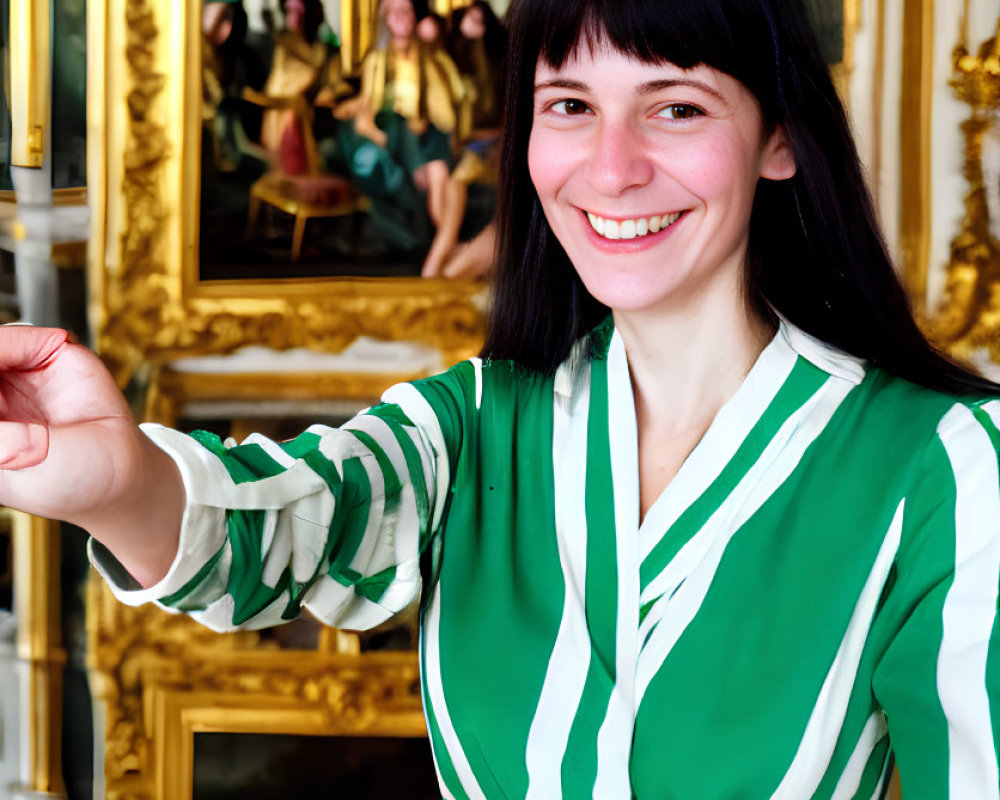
<point x="618" y="160"/>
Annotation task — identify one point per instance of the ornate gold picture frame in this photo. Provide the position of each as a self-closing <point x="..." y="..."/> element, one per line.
<point x="148" y="302"/>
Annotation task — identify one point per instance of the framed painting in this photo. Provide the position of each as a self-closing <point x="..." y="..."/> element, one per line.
<point x="194" y="254"/>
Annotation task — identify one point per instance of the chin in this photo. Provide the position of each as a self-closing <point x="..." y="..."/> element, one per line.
<point x="627" y="296"/>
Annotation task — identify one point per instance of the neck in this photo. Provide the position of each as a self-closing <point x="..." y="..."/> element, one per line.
<point x="685" y="366"/>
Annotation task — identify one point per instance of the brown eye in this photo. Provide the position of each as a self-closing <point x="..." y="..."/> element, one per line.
<point x="681" y="111"/>
<point x="570" y="107"/>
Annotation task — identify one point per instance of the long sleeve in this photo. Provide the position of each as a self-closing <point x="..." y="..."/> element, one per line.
<point x="334" y="521"/>
<point x="939" y="678"/>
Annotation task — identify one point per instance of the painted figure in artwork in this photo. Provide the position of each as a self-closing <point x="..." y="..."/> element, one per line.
<point x="398" y="149"/>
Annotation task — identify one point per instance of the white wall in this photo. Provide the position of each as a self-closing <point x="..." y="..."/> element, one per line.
<point x="874" y="107"/>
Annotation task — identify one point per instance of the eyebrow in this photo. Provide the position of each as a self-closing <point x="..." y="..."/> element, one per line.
<point x="649" y="87"/>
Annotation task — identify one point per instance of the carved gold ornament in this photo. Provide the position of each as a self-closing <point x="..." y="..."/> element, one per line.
<point x="968" y="321"/>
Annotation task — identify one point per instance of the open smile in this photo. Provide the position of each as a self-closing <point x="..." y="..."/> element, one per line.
<point x="635" y="228"/>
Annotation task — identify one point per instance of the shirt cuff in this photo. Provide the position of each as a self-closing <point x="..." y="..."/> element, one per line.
<point x="203" y="527"/>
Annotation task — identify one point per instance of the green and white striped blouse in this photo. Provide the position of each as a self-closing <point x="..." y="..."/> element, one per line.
<point x="815" y="590"/>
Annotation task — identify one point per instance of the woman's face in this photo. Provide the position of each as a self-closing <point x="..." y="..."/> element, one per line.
<point x="428" y="30"/>
<point x="472" y="24"/>
<point x="295" y="15"/>
<point x="646" y="173"/>
<point x="215" y="23"/>
<point x="400" y="18"/>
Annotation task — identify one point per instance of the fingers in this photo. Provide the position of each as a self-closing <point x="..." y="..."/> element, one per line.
<point x="432" y="265"/>
<point x="22" y="445"/>
<point x="25" y="348"/>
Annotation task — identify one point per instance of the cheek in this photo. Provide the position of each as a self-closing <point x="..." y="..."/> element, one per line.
<point x="719" y="168"/>
<point x="548" y="164"/>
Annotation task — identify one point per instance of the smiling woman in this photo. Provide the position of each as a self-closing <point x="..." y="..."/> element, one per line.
<point x="636" y="162"/>
<point x="709" y="519"/>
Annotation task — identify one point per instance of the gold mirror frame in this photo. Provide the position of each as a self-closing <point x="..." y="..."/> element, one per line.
<point x="147" y="302"/>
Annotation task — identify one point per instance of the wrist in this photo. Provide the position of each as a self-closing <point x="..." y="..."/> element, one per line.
<point x="141" y="522"/>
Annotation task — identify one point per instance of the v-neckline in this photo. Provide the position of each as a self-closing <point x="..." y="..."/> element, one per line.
<point x="707" y="459"/>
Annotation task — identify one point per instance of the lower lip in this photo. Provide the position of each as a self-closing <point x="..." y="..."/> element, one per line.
<point x="629" y="245"/>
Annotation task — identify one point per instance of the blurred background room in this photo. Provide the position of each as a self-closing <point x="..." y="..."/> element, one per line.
<point x="261" y="214"/>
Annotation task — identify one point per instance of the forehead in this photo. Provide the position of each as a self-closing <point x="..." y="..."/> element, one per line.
<point x="589" y="58"/>
<point x="396" y="5"/>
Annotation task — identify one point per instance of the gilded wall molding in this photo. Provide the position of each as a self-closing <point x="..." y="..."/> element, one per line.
<point x="916" y="102"/>
<point x="968" y="320"/>
<point x="30" y="82"/>
<point x="135" y="294"/>
<point x="40" y="648"/>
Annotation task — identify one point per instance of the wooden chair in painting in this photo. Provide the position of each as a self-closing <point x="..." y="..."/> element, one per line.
<point x="300" y="188"/>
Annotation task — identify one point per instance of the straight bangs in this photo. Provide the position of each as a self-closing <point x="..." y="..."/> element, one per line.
<point x="732" y="36"/>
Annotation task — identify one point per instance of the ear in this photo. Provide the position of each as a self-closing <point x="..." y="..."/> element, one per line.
<point x="777" y="162"/>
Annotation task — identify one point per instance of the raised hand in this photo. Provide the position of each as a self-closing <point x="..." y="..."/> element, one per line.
<point x="70" y="450"/>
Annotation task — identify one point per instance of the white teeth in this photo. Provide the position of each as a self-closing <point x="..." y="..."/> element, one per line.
<point x="597" y="223"/>
<point x="631" y="228"/>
